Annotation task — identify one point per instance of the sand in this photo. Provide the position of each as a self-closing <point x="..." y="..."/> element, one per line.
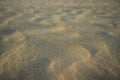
<point x="59" y="40"/>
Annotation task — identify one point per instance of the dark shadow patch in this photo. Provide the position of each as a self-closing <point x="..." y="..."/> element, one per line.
<point x="4" y="45"/>
<point x="7" y="32"/>
<point x="2" y="48"/>
<point x="2" y="9"/>
<point x="6" y="77"/>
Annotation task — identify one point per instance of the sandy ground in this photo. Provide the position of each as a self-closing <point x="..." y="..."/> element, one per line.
<point x="59" y="40"/>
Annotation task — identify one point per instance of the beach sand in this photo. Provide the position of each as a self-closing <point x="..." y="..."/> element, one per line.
<point x="59" y="40"/>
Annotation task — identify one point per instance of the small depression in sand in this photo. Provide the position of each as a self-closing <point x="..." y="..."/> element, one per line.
<point x="59" y="40"/>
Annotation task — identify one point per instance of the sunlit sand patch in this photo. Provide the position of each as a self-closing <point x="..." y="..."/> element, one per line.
<point x="46" y="31"/>
<point x="35" y="17"/>
<point x="80" y="52"/>
<point x="9" y="57"/>
<point x="56" y="18"/>
<point x="74" y="71"/>
<point x="45" y="22"/>
<point x="15" y="37"/>
<point x="55" y="65"/>
<point x="102" y="46"/>
<point x="57" y="29"/>
<point x="114" y="34"/>
<point x="14" y="40"/>
<point x="67" y="35"/>
<point x="56" y="69"/>
<point x="15" y="45"/>
<point x="60" y="77"/>
<point x="6" y="22"/>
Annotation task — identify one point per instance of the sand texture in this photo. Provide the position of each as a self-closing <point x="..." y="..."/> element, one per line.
<point x="59" y="39"/>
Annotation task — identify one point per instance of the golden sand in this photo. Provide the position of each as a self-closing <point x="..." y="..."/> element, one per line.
<point x="59" y="40"/>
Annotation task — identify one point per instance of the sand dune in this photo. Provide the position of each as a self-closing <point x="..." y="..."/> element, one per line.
<point x="59" y="40"/>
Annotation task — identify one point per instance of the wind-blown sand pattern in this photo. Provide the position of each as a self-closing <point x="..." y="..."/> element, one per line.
<point x="59" y="40"/>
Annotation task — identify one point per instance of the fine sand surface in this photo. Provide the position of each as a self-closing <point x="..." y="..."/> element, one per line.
<point x="59" y="39"/>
